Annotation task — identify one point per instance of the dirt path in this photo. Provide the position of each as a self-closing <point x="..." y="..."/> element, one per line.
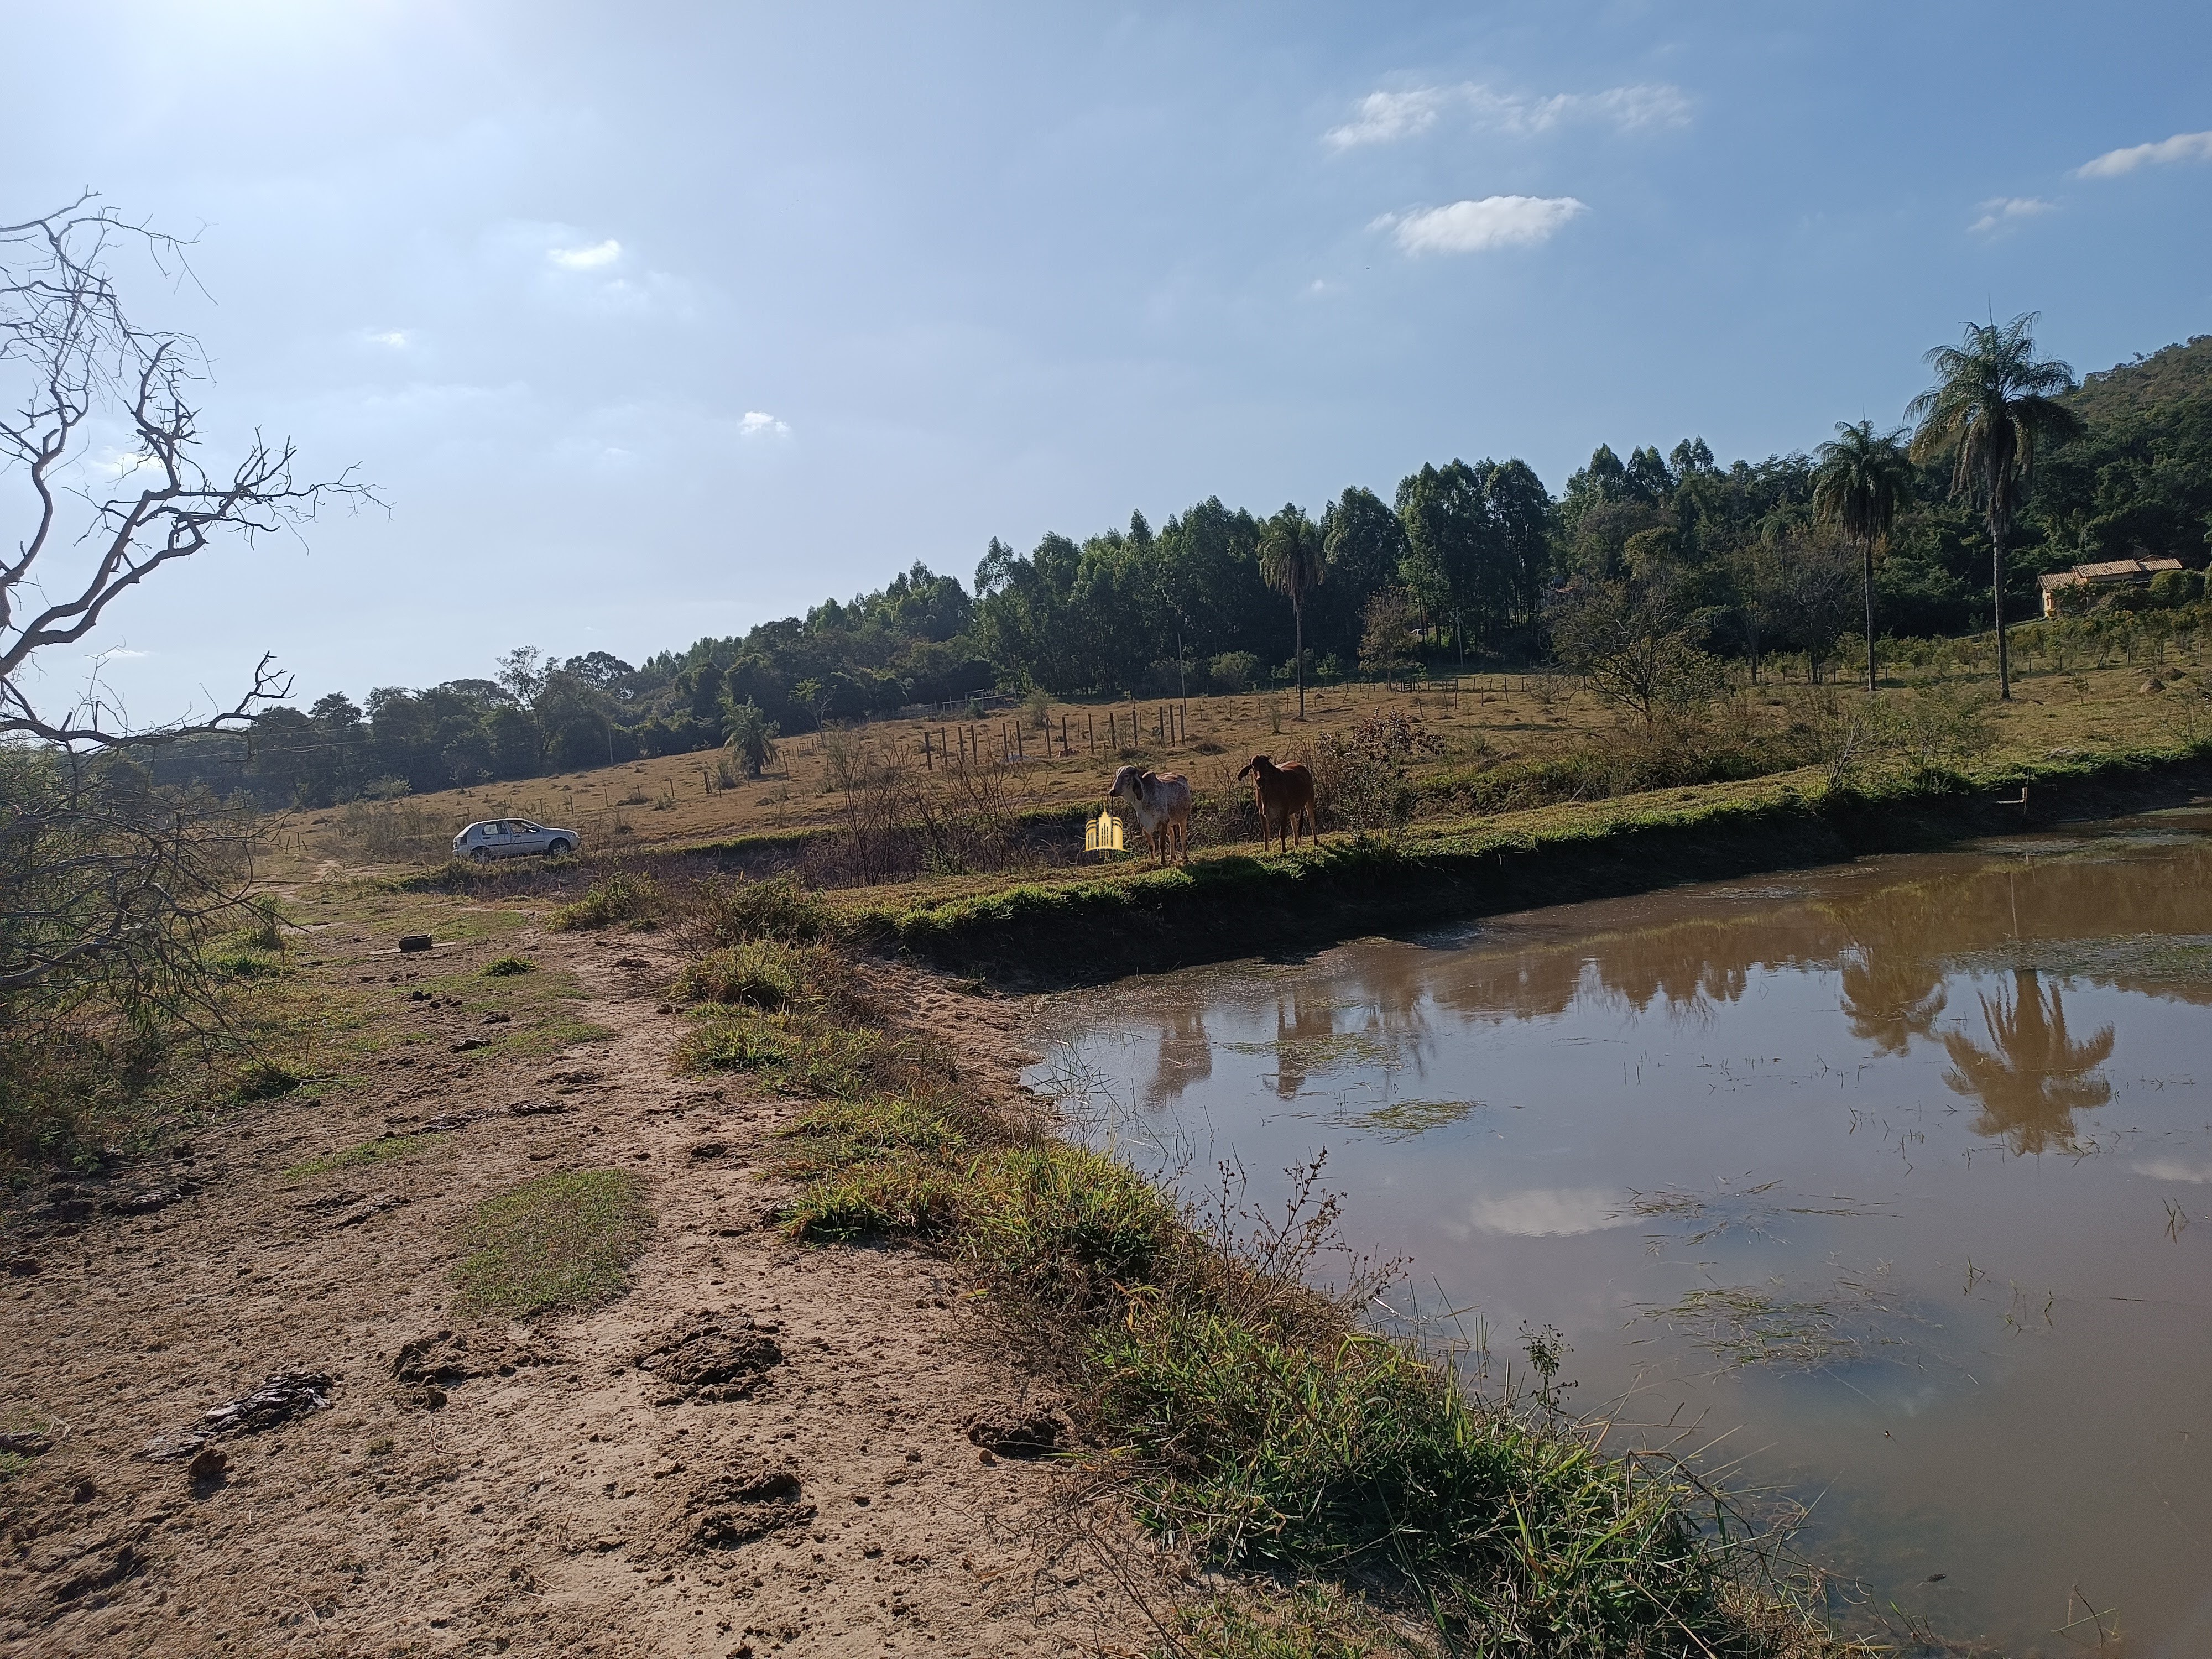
<point x="524" y="1490"/>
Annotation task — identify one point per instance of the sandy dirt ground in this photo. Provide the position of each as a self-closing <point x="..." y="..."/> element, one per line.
<point x="789" y="1470"/>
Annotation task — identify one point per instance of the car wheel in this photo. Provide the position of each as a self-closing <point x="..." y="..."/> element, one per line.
<point x="557" y="848"/>
<point x="480" y="855"/>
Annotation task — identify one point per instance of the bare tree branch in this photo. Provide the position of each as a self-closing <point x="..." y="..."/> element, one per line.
<point x="70" y="357"/>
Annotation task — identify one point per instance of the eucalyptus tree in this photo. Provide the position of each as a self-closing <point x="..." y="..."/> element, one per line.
<point x="1992" y="408"/>
<point x="1293" y="563"/>
<point x="1365" y="546"/>
<point x="1447" y="522"/>
<point x="1861" y="479"/>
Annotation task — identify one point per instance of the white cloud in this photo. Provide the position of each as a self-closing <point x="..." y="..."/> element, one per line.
<point x="1548" y="1212"/>
<point x="757" y="423"/>
<point x="2002" y="210"/>
<point x="1474" y="226"/>
<point x="118" y="463"/>
<point x="2173" y="1169"/>
<point x="1383" y="118"/>
<point x="2182" y="146"/>
<point x="394" y="338"/>
<point x="586" y="258"/>
<point x="1635" y="108"/>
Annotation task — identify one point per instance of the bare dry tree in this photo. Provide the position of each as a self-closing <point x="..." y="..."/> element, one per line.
<point x="107" y="885"/>
<point x="69" y="360"/>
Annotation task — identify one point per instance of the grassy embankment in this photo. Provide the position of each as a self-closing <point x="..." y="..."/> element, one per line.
<point x="1246" y="1414"/>
<point x="1075" y="926"/>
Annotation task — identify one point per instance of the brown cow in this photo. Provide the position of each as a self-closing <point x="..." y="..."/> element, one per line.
<point x="1285" y="795"/>
<point x="1161" y="801"/>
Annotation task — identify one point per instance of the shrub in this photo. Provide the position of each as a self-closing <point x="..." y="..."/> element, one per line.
<point x="1233" y="671"/>
<point x="732" y="912"/>
<point x="624" y="896"/>
<point x="1362" y="778"/>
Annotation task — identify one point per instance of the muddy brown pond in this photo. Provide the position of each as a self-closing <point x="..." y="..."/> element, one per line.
<point x="1889" y="1186"/>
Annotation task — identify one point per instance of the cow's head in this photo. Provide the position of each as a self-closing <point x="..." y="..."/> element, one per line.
<point x="1128" y="785"/>
<point x="1260" y="763"/>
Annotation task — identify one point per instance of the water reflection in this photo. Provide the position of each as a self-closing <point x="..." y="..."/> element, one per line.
<point x="1754" y="1108"/>
<point x="2032" y="1078"/>
<point x="1185" y="1056"/>
<point x="1891" y="997"/>
<point x="1303" y="1026"/>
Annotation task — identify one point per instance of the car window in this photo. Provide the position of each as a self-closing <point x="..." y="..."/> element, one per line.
<point x="496" y="827"/>
<point x="526" y="827"/>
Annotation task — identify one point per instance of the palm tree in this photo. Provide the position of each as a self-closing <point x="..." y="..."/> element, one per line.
<point x="1861" y="481"/>
<point x="1292" y="562"/>
<point x="2034" y="1075"/>
<point x="1991" y="409"/>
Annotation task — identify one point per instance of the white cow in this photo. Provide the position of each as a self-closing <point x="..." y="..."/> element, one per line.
<point x="1161" y="801"/>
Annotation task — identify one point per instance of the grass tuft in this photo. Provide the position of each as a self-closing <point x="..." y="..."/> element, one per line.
<point x="624" y="896"/>
<point x="507" y="967"/>
<point x="732" y="912"/>
<point x="765" y="973"/>
<point x="1308" y="1624"/>
<point x="562" y="1241"/>
<point x="793" y="1051"/>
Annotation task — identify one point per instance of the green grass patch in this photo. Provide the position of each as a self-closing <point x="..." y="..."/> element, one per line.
<point x="795" y="1051"/>
<point x="382" y="1149"/>
<point x="559" y="1242"/>
<point x="246" y="964"/>
<point x="550" y="1036"/>
<point x="507" y="967"/>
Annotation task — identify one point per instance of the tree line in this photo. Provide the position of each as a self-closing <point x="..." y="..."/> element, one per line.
<point x="1467" y="563"/>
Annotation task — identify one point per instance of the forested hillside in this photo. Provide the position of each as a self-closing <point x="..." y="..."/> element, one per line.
<point x="1459" y="566"/>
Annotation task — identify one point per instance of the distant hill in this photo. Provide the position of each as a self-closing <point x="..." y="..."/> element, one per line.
<point x="2174" y="375"/>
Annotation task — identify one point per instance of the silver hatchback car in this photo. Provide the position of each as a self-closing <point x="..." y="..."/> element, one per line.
<point x="506" y="838"/>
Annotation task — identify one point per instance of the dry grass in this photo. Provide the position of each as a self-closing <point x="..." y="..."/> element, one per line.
<point x="1492" y="722"/>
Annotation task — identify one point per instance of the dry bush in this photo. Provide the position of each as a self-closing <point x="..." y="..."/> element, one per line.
<point x="112" y="894"/>
<point x="895" y="819"/>
<point x="394" y="831"/>
<point x="1363" y="777"/>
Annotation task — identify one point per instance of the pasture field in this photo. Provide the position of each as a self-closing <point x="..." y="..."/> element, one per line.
<point x="1481" y="724"/>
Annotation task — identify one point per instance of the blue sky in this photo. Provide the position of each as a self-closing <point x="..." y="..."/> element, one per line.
<point x="655" y="320"/>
